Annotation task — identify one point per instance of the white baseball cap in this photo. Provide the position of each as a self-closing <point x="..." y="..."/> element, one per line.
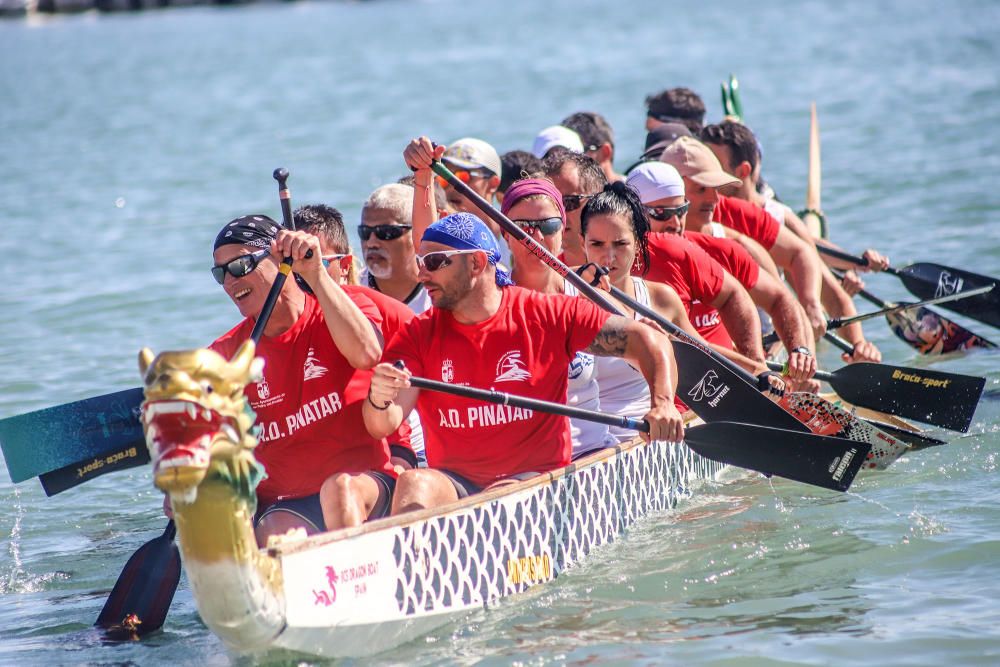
<point x="655" y="181"/>
<point x="556" y="135"/>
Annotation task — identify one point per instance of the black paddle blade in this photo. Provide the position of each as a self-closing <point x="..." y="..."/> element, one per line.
<point x="929" y="333"/>
<point x="139" y="602"/>
<point x="929" y="281"/>
<point x="715" y="393"/>
<point x="820" y="460"/>
<point x="947" y="400"/>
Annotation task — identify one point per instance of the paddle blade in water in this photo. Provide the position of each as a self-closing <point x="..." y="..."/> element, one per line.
<point x="139" y="602"/>
<point x="947" y="400"/>
<point x="931" y="334"/>
<point x="824" y="461"/>
<point x="929" y="281"/>
<point x="715" y="393"/>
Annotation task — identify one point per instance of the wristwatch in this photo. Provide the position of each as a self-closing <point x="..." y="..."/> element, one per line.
<point x="801" y="349"/>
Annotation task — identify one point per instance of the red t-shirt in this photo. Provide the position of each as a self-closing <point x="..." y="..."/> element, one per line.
<point x="748" y="219"/>
<point x="308" y="405"/>
<point x="733" y="257"/>
<point x="523" y="349"/>
<point x="395" y="315"/>
<point x="694" y="275"/>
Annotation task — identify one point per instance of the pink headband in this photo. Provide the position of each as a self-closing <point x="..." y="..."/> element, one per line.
<point x="533" y="186"/>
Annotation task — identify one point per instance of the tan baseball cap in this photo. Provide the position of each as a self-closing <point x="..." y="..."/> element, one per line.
<point x="469" y="153"/>
<point x="694" y="160"/>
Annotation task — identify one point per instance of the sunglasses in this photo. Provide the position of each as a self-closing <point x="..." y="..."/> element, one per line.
<point x="573" y="202"/>
<point x="465" y="175"/>
<point x="547" y="227"/>
<point x="383" y="232"/>
<point x="433" y="261"/>
<point x="239" y="266"/>
<point x="667" y="212"/>
<point x="328" y="259"/>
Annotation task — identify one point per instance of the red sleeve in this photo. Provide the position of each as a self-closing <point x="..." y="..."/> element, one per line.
<point x="367" y="308"/>
<point x="706" y="274"/>
<point x="405" y="347"/>
<point x="693" y="274"/>
<point x="395" y="314"/>
<point x="748" y="219"/>
<point x="227" y="344"/>
<point x="733" y="257"/>
<point x="582" y="319"/>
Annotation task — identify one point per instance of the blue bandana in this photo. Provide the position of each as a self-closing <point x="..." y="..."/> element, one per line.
<point x="464" y="231"/>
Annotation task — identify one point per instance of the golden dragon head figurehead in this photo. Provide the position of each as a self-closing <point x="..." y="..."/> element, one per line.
<point x="195" y="416"/>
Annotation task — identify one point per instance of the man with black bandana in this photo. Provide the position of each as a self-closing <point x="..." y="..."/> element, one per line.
<point x="324" y="471"/>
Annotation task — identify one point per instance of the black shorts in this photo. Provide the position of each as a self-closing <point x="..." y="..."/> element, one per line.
<point x="465" y="488"/>
<point x="405" y="453"/>
<point x="309" y="509"/>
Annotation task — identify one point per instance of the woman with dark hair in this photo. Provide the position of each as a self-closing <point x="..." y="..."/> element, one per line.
<point x="615" y="233"/>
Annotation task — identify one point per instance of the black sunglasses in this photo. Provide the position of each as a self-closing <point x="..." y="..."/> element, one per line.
<point x="383" y="232"/>
<point x="547" y="227"/>
<point x="667" y="212"/>
<point x="573" y="202"/>
<point x="239" y="266"/>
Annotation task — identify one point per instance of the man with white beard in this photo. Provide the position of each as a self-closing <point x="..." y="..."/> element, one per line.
<point x="387" y="246"/>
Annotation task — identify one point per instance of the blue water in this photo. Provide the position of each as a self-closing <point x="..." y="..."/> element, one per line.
<point x="128" y="140"/>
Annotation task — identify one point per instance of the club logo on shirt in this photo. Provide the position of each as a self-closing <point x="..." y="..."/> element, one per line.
<point x="311" y="369"/>
<point x="447" y="371"/>
<point x="948" y="284"/>
<point x="709" y="389"/>
<point x="263" y="390"/>
<point x="510" y="368"/>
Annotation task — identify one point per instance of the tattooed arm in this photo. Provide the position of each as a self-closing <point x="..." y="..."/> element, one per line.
<point x="650" y="351"/>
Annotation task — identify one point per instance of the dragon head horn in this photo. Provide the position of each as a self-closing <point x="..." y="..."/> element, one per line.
<point x="145" y="360"/>
<point x="245" y="363"/>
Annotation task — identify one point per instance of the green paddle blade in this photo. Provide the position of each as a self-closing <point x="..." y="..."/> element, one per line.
<point x="715" y="393"/>
<point x="75" y="434"/>
<point x="825" y="461"/>
<point x="947" y="400"/>
<point x="928" y="281"/>
<point x="139" y="602"/>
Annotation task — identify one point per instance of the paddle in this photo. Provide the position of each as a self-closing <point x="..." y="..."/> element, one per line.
<point x="947" y="400"/>
<point x="893" y="308"/>
<point x="812" y="215"/>
<point x="714" y="387"/>
<point x="928" y="280"/>
<point x="824" y="461"/>
<point x="926" y="331"/>
<point x="813" y="412"/>
<point x="147" y="584"/>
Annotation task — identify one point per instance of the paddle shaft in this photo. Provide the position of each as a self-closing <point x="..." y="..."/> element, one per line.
<point x="285" y="268"/>
<point x="854" y="259"/>
<point x="890" y="308"/>
<point x="503" y="398"/>
<point x="672" y="328"/>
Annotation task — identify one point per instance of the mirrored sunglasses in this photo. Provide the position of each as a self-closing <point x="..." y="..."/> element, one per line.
<point x="383" y="232"/>
<point x="327" y="259"/>
<point x="238" y="267"/>
<point x="547" y="227"/>
<point x="433" y="261"/>
<point x="464" y="175"/>
<point x="667" y="212"/>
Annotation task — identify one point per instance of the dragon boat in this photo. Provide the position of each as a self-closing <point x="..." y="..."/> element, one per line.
<point x="357" y="591"/>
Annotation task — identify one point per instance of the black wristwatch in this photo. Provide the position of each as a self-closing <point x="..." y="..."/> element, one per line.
<point x="801" y="349"/>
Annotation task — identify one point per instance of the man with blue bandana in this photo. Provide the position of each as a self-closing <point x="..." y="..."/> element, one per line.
<point x="485" y="332"/>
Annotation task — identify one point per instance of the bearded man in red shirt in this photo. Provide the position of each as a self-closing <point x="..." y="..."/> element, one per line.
<point x="484" y="332"/>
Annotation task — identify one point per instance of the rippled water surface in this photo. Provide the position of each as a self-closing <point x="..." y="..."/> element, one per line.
<point x="128" y="140"/>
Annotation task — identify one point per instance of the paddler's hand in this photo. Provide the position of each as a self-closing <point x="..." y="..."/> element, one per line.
<point x="863" y="351"/>
<point x="876" y="261"/>
<point x="852" y="282"/>
<point x="801" y="366"/>
<point x="420" y="152"/>
<point x="665" y="423"/>
<point x="168" y="509"/>
<point x="811" y="386"/>
<point x="770" y="382"/>
<point x="387" y="380"/>
<point x="305" y="252"/>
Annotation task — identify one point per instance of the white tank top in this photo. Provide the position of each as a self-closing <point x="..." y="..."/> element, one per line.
<point x="623" y="389"/>
<point x="583" y="392"/>
<point x="776" y="210"/>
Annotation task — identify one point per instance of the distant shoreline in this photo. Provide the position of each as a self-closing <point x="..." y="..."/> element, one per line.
<point x="25" y="8"/>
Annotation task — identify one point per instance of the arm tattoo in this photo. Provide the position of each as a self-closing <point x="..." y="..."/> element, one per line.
<point x="612" y="339"/>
